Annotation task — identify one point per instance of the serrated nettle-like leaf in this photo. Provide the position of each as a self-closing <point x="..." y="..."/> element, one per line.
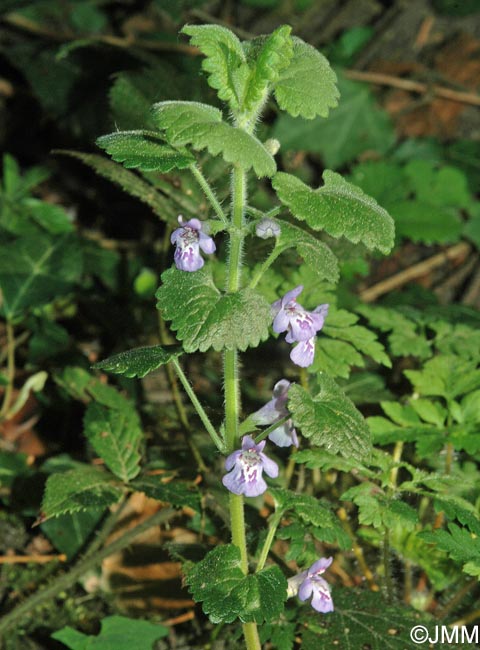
<point x="176" y="493"/>
<point x="115" y="435"/>
<point x="270" y="55"/>
<point x="145" y="150"/>
<point x="355" y="126"/>
<point x="205" y="318"/>
<point x="330" y="419"/>
<point x="310" y="509"/>
<point x="364" y="618"/>
<point x="224" y="55"/>
<point x="316" y="254"/>
<point x="139" y="361"/>
<point x="79" y="489"/>
<point x="339" y="208"/>
<point x="227" y="594"/>
<point x="307" y="86"/>
<point x="36" y="269"/>
<point x="202" y="127"/>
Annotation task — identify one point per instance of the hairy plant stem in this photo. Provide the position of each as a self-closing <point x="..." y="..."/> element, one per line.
<point x="209" y="193"/>
<point x="231" y="382"/>
<point x="198" y="407"/>
<point x="272" y="529"/>
<point x="10" y="369"/>
<point x="66" y="580"/>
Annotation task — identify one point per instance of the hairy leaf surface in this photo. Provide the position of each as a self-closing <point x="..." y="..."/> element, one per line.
<point x="204" y="318"/>
<point x="330" y="419"/>
<point x="139" y="361"/>
<point x="201" y="126"/>
<point x="227" y="594"/>
<point x="307" y="87"/>
<point x="339" y="208"/>
<point x="224" y="56"/>
<point x="115" y="435"/>
<point x="79" y="489"/>
<point x="144" y="150"/>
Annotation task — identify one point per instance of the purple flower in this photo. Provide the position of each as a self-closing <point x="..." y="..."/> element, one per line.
<point x="267" y="228"/>
<point x="303" y="353"/>
<point x="188" y="240"/>
<point x="274" y="410"/>
<point x="314" y="585"/>
<point x="301" y="325"/>
<point x="245" y="467"/>
<point x="291" y="317"/>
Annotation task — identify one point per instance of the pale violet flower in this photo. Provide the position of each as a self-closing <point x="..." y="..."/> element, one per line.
<point x="310" y="584"/>
<point x="245" y="467"/>
<point x="303" y="353"/>
<point x="301" y="325"/>
<point x="267" y="228"/>
<point x="276" y="409"/>
<point x="188" y="240"/>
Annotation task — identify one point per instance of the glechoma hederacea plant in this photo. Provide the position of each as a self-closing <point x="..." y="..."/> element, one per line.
<point x="237" y="316"/>
<point x="233" y="582"/>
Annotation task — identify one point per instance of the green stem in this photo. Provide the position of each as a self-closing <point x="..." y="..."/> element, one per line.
<point x="231" y="382"/>
<point x="272" y="427"/>
<point x="10" y="369"/>
<point x="198" y="407"/>
<point x="209" y="193"/>
<point x="66" y="580"/>
<point x="276" y="251"/>
<point x="239" y="192"/>
<point x="272" y="529"/>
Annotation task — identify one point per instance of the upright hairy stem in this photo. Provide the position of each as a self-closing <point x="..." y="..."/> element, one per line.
<point x="231" y="378"/>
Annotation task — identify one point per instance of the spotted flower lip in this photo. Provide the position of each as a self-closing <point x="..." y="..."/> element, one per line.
<point x="284" y="435"/>
<point x="315" y="587"/>
<point x="245" y="467"/>
<point x="189" y="239"/>
<point x="300" y="324"/>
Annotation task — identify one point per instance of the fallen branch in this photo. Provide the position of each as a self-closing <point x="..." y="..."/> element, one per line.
<point x="414" y="86"/>
<point x="415" y="271"/>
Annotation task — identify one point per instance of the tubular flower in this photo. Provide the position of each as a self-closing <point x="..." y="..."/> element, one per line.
<point x="276" y="409"/>
<point x="245" y="467"/>
<point x="188" y="240"/>
<point x="267" y="228"/>
<point x="314" y="585"/>
<point x="301" y="325"/>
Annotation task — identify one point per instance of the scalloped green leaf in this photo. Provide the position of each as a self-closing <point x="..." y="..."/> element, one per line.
<point x="271" y="55"/>
<point x="330" y="420"/>
<point x="145" y="150"/>
<point x="227" y="594"/>
<point x="79" y="489"/>
<point x="115" y="434"/>
<point x="202" y="127"/>
<point x="316" y="254"/>
<point x="139" y="361"/>
<point x="205" y="318"/>
<point x="224" y="56"/>
<point x="339" y="208"/>
<point x="364" y="619"/>
<point x="307" y="87"/>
